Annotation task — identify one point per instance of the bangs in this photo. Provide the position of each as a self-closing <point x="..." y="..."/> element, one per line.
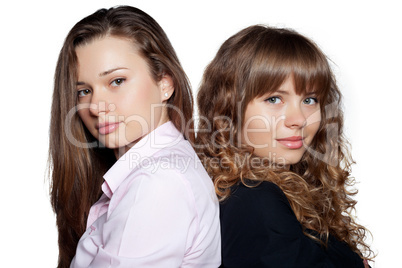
<point x="288" y="55"/>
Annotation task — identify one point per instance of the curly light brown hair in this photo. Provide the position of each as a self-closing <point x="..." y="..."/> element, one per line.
<point x="254" y="62"/>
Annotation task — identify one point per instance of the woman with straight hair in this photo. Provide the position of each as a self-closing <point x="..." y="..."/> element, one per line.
<point x="271" y="137"/>
<point x="127" y="188"/>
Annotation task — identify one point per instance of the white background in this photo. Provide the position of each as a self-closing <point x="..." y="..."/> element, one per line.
<point x="362" y="38"/>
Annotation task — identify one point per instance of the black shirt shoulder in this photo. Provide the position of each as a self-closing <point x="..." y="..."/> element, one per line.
<point x="260" y="229"/>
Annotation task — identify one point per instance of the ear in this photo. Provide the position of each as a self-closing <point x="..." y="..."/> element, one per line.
<point x="166" y="86"/>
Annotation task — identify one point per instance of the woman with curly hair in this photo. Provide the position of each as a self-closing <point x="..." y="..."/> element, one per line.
<point x="127" y="187"/>
<point x="271" y="137"/>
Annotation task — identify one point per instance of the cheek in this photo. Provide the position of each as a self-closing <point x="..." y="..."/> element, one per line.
<point x="313" y="117"/>
<point x="85" y="117"/>
<point x="310" y="132"/>
<point x="141" y="110"/>
<point x="83" y="114"/>
<point x="141" y="101"/>
<point x="257" y="131"/>
<point x="313" y="122"/>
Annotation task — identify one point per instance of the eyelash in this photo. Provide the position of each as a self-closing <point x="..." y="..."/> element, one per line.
<point x="273" y="97"/>
<point x="118" y="79"/>
<point x="279" y="98"/>
<point x="87" y="91"/>
<point x="311" y="98"/>
<point x="81" y="91"/>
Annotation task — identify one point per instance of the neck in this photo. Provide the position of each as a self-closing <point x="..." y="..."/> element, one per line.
<point x="120" y="151"/>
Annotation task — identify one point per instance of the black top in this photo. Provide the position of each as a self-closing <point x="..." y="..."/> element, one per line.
<point x="260" y="229"/>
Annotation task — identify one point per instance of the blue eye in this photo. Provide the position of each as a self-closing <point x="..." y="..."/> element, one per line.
<point x="117" y="82"/>
<point x="273" y="100"/>
<point x="310" y="101"/>
<point x="83" y="93"/>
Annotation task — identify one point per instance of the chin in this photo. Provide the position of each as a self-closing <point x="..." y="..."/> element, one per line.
<point x="290" y="159"/>
<point x="109" y="144"/>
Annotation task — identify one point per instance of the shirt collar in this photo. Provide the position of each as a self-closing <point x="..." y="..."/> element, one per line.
<point x="163" y="136"/>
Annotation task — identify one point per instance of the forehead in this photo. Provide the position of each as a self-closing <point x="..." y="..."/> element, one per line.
<point x="292" y="85"/>
<point x="102" y="54"/>
<point x="300" y="62"/>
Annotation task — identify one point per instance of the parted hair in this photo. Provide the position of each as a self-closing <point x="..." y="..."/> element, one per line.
<point x="77" y="161"/>
<point x="250" y="64"/>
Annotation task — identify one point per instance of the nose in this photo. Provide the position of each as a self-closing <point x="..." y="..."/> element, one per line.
<point x="98" y="104"/>
<point x="294" y="117"/>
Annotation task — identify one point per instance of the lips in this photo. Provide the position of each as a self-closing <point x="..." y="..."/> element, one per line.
<point x="107" y="128"/>
<point x="294" y="142"/>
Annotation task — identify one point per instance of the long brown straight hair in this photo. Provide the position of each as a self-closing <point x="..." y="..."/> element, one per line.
<point x="77" y="160"/>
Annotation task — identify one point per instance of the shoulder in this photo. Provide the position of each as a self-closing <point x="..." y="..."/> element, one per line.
<point x="263" y="193"/>
<point x="264" y="205"/>
<point x="167" y="164"/>
<point x="182" y="160"/>
<point x="259" y="188"/>
<point x="176" y="172"/>
<point x="178" y="158"/>
<point x="159" y="176"/>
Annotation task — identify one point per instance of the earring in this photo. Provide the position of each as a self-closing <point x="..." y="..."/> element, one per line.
<point x="166" y="94"/>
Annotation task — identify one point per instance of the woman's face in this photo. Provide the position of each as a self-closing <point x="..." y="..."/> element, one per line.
<point x="281" y="125"/>
<point x="119" y="102"/>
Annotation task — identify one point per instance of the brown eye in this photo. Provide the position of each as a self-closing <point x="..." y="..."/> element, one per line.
<point x="117" y="82"/>
<point x="83" y="93"/>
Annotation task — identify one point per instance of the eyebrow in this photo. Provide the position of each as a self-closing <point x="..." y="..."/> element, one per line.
<point x="112" y="70"/>
<point x="79" y="83"/>
<point x="282" y="92"/>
